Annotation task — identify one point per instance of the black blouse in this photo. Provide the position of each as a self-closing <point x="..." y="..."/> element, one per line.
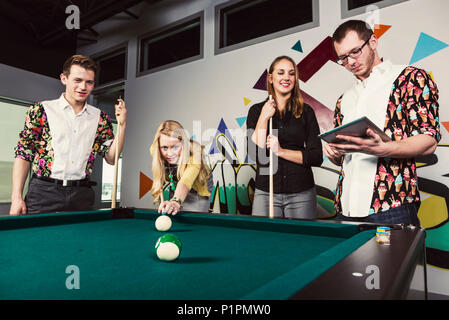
<point x="293" y="134"/>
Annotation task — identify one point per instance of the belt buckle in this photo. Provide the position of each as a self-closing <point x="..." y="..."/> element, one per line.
<point x="64" y="183"/>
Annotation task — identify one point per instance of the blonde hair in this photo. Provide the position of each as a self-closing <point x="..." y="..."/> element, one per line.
<point x="190" y="148"/>
<point x="296" y="101"/>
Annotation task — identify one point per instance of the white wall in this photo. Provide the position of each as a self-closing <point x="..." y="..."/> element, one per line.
<point x="28" y="86"/>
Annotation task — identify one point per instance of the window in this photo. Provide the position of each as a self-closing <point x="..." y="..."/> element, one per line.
<point x="105" y="99"/>
<point x="112" y="65"/>
<point x="10" y="127"/>
<point x="239" y="23"/>
<point x="351" y="8"/>
<point x="107" y="180"/>
<point x="176" y="44"/>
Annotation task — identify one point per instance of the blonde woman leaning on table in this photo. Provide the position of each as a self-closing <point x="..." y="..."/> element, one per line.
<point x="180" y="162"/>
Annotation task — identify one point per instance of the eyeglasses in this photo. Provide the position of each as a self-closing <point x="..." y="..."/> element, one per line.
<point x="343" y="60"/>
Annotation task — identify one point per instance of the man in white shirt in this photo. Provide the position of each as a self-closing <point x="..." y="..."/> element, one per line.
<point x="60" y="141"/>
<point x="378" y="180"/>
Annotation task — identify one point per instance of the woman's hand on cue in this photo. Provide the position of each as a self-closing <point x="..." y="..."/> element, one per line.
<point x="169" y="207"/>
<point x="268" y="110"/>
<point x="273" y="144"/>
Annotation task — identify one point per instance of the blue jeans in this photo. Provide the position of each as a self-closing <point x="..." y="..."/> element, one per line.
<point x="406" y="214"/>
<point x="300" y="205"/>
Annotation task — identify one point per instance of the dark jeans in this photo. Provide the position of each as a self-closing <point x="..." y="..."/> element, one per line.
<point x="45" y="197"/>
<point x="406" y="214"/>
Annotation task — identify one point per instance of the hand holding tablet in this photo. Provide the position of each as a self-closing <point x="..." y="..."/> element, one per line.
<point x="360" y="135"/>
<point x="356" y="128"/>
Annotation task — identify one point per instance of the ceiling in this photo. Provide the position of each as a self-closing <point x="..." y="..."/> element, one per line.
<point x="45" y="20"/>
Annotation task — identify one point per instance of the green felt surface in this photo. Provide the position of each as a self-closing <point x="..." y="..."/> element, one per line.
<point x="222" y="257"/>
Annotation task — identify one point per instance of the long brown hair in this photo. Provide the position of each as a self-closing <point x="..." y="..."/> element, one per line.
<point x="296" y="101"/>
<point x="190" y="149"/>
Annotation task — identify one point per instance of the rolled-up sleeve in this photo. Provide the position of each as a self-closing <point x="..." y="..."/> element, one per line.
<point x="422" y="105"/>
<point x="105" y="134"/>
<point x="30" y="136"/>
<point x="190" y="174"/>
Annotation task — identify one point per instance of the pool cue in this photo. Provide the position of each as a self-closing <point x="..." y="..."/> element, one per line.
<point x="114" y="184"/>
<point x="162" y="197"/>
<point x="271" y="209"/>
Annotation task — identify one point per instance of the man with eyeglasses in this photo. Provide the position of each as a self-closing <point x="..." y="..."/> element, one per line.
<point x="378" y="182"/>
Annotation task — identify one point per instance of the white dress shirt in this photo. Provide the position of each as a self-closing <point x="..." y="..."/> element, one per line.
<point x="72" y="137"/>
<point x="366" y="98"/>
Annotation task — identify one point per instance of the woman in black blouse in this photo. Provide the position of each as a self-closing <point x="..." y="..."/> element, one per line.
<point x="295" y="144"/>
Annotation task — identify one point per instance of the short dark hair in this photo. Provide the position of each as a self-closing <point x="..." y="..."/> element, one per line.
<point x="363" y="30"/>
<point x="78" y="59"/>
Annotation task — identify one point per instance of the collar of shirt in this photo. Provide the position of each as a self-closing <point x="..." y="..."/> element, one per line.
<point x="65" y="105"/>
<point x="376" y="74"/>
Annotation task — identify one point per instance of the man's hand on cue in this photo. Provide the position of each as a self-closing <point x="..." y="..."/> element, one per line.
<point x="120" y="112"/>
<point x="372" y="144"/>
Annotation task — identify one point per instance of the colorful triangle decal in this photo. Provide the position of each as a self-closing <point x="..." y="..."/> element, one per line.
<point x="246" y="101"/>
<point x="222" y="129"/>
<point x="145" y="185"/>
<point x="446" y="125"/>
<point x="297" y="46"/>
<point x="261" y="84"/>
<point x="241" y="120"/>
<point x="426" y="46"/>
<point x="380" y="29"/>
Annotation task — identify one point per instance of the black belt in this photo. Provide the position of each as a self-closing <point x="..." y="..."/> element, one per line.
<point x="67" y="183"/>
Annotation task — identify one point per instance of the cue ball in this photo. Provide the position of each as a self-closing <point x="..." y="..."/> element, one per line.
<point x="168" y="247"/>
<point x="163" y="223"/>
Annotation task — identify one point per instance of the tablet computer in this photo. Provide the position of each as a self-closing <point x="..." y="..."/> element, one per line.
<point x="356" y="128"/>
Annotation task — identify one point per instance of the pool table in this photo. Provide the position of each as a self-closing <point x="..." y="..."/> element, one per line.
<point x="109" y="254"/>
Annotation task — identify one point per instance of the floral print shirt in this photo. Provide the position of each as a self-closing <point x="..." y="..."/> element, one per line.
<point x="412" y="109"/>
<point x="35" y="141"/>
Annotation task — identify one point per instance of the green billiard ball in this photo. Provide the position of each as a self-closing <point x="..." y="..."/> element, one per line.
<point x="168" y="247"/>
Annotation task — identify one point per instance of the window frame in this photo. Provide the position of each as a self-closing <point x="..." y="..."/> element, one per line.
<point x="217" y="33"/>
<point x="97" y="171"/>
<point x="345" y="13"/>
<point x="171" y="28"/>
<point x="108" y="203"/>
<point x="110" y="53"/>
<point x="5" y="205"/>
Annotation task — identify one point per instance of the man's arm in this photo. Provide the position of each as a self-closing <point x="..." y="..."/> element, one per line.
<point x="424" y="133"/>
<point x="120" y="115"/>
<point x="29" y="138"/>
<point x="333" y="154"/>
<point x="19" y="175"/>
<point x="120" y="138"/>
<point x="410" y="147"/>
